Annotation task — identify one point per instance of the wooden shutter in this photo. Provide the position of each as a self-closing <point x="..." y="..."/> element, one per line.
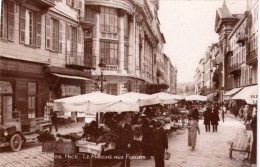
<point x="22" y="24"/>
<point x="38" y="29"/>
<point x="61" y="27"/>
<point x="68" y="37"/>
<point x="10" y="20"/>
<point x="48" y="32"/>
<point x="80" y="5"/>
<point x="76" y="4"/>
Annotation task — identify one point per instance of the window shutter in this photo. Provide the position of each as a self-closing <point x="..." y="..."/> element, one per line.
<point x="80" y="4"/>
<point x="22" y="24"/>
<point x="61" y="27"/>
<point x="48" y="32"/>
<point x="10" y="20"/>
<point x="68" y="37"/>
<point x="76" y="4"/>
<point x="38" y="29"/>
<point x="79" y="35"/>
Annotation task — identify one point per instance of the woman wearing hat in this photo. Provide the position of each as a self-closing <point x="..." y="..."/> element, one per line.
<point x="193" y="127"/>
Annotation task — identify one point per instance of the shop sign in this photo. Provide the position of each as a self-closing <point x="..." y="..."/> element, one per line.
<point x="70" y="90"/>
<point x="16" y="66"/>
<point x="5" y="87"/>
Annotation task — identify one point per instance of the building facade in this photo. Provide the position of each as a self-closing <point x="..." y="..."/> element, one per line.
<point x="234" y="57"/>
<point x="51" y="49"/>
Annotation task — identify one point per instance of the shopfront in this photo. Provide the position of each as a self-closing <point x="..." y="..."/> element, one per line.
<point x="22" y="93"/>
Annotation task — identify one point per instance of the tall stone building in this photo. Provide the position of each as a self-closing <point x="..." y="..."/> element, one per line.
<point x="51" y="49"/>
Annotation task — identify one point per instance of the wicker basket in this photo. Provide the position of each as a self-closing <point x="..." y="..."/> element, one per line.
<point x="167" y="155"/>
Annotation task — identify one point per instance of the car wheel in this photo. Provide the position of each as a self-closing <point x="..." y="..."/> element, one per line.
<point x="16" y="142"/>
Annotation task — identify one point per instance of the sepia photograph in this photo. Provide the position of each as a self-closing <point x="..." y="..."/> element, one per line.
<point x="128" y="83"/>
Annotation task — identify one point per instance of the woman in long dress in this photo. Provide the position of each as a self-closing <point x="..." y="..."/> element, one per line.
<point x="193" y="127"/>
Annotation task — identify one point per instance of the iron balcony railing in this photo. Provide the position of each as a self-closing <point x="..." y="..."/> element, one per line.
<point x="74" y="58"/>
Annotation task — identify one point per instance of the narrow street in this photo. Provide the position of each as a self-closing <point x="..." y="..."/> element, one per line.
<point x="212" y="150"/>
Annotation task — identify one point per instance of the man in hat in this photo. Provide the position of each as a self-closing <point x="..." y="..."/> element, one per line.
<point x="160" y="144"/>
<point x="125" y="138"/>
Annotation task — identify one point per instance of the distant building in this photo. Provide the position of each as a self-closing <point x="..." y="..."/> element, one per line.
<point x="186" y="88"/>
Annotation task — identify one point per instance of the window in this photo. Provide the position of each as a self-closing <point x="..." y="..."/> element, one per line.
<point x="7" y="20"/>
<point x="32" y="91"/>
<point x="88" y="54"/>
<point x="112" y="89"/>
<point x="126" y="57"/>
<point x="89" y="13"/>
<point x="52" y="34"/>
<point x="30" y="27"/>
<point x="126" y="28"/>
<point x="108" y="20"/>
<point x="6" y="101"/>
<point x="108" y="52"/>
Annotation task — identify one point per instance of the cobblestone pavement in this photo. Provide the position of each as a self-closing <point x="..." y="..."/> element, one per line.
<point x="212" y="150"/>
<point x="31" y="154"/>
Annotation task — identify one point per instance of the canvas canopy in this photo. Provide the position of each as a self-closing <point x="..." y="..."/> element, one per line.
<point x="249" y="94"/>
<point x="143" y="99"/>
<point x="95" y="102"/>
<point x="230" y="93"/>
<point x="168" y="98"/>
<point x="196" y="98"/>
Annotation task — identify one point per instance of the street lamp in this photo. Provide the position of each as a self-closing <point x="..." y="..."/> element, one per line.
<point x="102" y="65"/>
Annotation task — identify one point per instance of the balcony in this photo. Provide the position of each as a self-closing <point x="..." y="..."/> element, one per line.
<point x="235" y="69"/>
<point x="241" y="39"/>
<point x="87" y="23"/>
<point x="251" y="58"/>
<point x="229" y="51"/>
<point x="42" y="4"/>
<point x="75" y="60"/>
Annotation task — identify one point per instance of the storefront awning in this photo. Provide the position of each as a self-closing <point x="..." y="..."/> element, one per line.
<point x="232" y="92"/>
<point x="70" y="77"/>
<point x="249" y="94"/>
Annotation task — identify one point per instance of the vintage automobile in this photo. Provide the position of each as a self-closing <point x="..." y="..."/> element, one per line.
<point x="11" y="133"/>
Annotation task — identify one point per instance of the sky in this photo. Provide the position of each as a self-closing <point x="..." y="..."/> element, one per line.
<point x="188" y="27"/>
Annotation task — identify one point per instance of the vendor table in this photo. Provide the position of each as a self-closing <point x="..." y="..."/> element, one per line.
<point x="79" y="153"/>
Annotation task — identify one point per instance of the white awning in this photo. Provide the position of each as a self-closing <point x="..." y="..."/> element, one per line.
<point x="249" y="94"/>
<point x="70" y="77"/>
<point x="232" y="92"/>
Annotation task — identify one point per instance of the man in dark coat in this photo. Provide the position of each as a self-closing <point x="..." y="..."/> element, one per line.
<point x="160" y="144"/>
<point x="215" y="118"/>
<point x="54" y="119"/>
<point x="253" y="157"/>
<point x="147" y="138"/>
<point x="125" y="139"/>
<point x="207" y="116"/>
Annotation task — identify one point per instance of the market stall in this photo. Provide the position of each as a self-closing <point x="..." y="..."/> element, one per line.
<point x="143" y="99"/>
<point x="167" y="98"/>
<point x="96" y="139"/>
<point x="196" y="98"/>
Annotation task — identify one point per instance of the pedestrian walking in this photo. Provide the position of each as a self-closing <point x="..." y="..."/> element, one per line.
<point x="248" y="114"/>
<point x="193" y="127"/>
<point x="147" y="139"/>
<point x="222" y="113"/>
<point x="254" y="145"/>
<point x="207" y="117"/>
<point x="195" y="113"/>
<point x="215" y="118"/>
<point x="160" y="144"/>
<point x="54" y="120"/>
<point x="125" y="139"/>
